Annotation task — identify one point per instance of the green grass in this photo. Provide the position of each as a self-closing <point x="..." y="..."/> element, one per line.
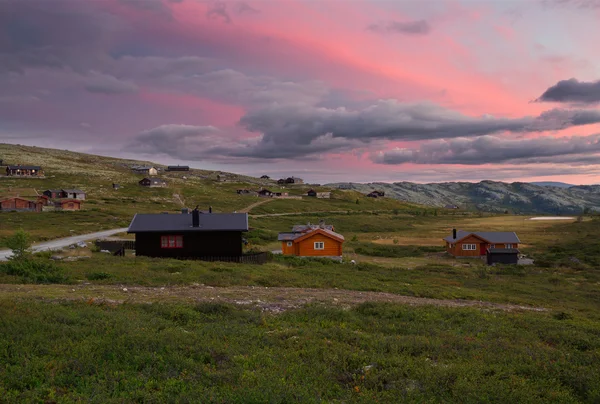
<point x="53" y="350"/>
<point x="67" y="352"/>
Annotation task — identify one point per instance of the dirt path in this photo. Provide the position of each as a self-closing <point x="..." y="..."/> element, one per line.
<point x="255" y="204"/>
<point x="178" y="200"/>
<point x="65" y="242"/>
<point x="267" y="299"/>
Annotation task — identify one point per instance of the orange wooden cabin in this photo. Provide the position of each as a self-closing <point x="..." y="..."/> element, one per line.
<point x="68" y="204"/>
<point x="20" y="205"/>
<point x="312" y="241"/>
<point x="476" y="244"/>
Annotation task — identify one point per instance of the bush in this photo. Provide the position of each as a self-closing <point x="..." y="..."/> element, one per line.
<point x="19" y="243"/>
<point x="98" y="276"/>
<point x="34" y="271"/>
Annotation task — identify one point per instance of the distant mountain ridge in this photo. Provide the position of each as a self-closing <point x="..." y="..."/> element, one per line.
<point x="490" y="196"/>
<point x="553" y="184"/>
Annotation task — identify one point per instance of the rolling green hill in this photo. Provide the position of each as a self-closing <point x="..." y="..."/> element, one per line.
<point x="106" y="208"/>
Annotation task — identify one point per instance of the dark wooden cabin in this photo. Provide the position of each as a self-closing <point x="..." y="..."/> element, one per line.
<point x="312" y="193"/>
<point x="196" y="235"/>
<point x="178" y="168"/>
<point x="24" y="171"/>
<point x="502" y="256"/>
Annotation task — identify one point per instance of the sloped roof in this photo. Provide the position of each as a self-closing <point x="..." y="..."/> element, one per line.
<point x="24" y="167"/>
<point x="301" y="235"/>
<point x="160" y="222"/>
<point x="509" y="237"/>
<point x="288" y="236"/>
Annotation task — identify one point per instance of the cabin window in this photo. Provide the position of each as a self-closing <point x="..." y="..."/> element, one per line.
<point x="319" y="245"/>
<point x="492" y="245"/>
<point x="469" y="247"/>
<point x="171" y="241"/>
<point x="509" y="246"/>
<point x="290" y="243"/>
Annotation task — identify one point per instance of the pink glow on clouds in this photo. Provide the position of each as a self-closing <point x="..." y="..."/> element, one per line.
<point x="476" y="60"/>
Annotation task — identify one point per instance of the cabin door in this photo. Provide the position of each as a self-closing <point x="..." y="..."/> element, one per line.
<point x="482" y="249"/>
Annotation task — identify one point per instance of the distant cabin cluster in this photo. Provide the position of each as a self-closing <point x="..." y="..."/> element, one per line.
<point x="50" y="199"/>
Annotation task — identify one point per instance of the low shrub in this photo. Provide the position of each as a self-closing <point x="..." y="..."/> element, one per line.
<point x="98" y="276"/>
<point x="34" y="271"/>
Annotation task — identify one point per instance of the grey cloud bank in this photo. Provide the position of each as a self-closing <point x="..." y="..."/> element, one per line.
<point x="572" y="91"/>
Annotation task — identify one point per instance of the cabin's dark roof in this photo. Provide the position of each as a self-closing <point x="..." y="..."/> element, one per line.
<point x="288" y="236"/>
<point x="509" y="237"/>
<point x="24" y="167"/>
<point x="160" y="222"/>
<point x="73" y="191"/>
<point x="503" y="251"/>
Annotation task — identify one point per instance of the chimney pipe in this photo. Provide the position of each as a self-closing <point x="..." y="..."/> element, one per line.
<point x="196" y="217"/>
<point x="454" y="234"/>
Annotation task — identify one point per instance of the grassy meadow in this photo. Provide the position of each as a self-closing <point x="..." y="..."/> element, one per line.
<point x="404" y="323"/>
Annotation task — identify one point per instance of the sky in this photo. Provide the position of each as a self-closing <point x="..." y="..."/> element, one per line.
<point x="325" y="90"/>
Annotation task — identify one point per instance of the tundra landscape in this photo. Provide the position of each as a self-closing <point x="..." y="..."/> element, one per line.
<point x="396" y="319"/>
<point x="269" y="201"/>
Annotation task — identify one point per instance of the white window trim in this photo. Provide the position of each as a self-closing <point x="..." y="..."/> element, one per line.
<point x="469" y="247"/>
<point x="319" y="245"/>
<point x="508" y="245"/>
<point x="492" y="245"/>
<point x="290" y="243"/>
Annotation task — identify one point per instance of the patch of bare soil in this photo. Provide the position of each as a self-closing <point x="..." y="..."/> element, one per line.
<point x="273" y="300"/>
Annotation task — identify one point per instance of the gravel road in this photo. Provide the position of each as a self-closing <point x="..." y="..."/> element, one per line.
<point x="65" y="242"/>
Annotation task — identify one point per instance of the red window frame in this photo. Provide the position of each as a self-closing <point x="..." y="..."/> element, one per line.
<point x="171" y="241"/>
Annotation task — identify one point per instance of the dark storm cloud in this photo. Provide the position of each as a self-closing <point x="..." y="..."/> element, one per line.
<point x="417" y="27"/>
<point x="188" y="142"/>
<point x="573" y="91"/>
<point x="52" y="34"/>
<point x="491" y="149"/>
<point x="392" y="120"/>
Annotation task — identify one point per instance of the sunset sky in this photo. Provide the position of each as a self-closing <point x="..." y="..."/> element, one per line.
<point x="326" y="90"/>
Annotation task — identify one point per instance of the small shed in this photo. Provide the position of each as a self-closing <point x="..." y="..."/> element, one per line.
<point x="312" y="193"/>
<point x="153" y="182"/>
<point x="502" y="256"/>
<point x="148" y="170"/>
<point x="68" y="204"/>
<point x="53" y="193"/>
<point x="73" y="194"/>
<point x="265" y="193"/>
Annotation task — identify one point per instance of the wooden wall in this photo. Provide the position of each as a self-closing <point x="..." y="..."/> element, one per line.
<point x="306" y="247"/>
<point x="195" y="244"/>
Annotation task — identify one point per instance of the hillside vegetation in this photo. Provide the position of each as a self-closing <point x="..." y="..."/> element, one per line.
<point x="106" y="208"/>
<point x="404" y="322"/>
